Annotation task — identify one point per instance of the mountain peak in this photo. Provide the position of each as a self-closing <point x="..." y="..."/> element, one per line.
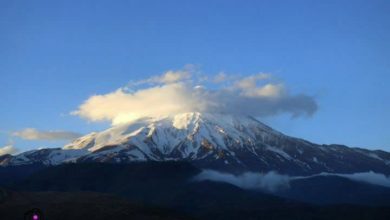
<point x="209" y="140"/>
<point x="173" y="130"/>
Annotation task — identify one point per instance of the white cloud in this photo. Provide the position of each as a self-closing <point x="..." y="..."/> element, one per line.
<point x="250" y="82"/>
<point x="271" y="181"/>
<point x="120" y="106"/>
<point x="252" y="86"/>
<point x="9" y="149"/>
<point x="170" y="76"/>
<point x="220" y="77"/>
<point x="182" y="91"/>
<point x="34" y="134"/>
<point x="173" y="76"/>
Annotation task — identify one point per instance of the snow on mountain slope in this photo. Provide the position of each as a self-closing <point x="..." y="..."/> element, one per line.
<point x="219" y="141"/>
<point x="180" y="136"/>
<point x="49" y="156"/>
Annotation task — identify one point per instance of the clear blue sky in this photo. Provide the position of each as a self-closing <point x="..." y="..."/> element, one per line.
<point x="55" y="54"/>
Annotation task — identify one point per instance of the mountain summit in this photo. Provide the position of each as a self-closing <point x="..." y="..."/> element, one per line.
<point x="218" y="141"/>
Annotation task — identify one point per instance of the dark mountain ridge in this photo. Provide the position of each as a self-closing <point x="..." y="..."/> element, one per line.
<point x="170" y="186"/>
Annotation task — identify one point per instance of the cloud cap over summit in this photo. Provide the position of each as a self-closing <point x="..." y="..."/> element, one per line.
<point x="187" y="90"/>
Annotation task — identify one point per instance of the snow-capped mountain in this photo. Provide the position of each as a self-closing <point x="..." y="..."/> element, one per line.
<point x="218" y="141"/>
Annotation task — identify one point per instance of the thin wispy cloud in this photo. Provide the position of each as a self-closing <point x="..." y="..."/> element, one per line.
<point x="366" y="177"/>
<point x="8" y="149"/>
<point x="34" y="134"/>
<point x="178" y="91"/>
<point x="273" y="181"/>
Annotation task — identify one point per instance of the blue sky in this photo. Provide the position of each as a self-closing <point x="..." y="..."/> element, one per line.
<point x="56" y="54"/>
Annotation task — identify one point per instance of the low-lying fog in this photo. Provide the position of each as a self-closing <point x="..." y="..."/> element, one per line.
<point x="273" y="181"/>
